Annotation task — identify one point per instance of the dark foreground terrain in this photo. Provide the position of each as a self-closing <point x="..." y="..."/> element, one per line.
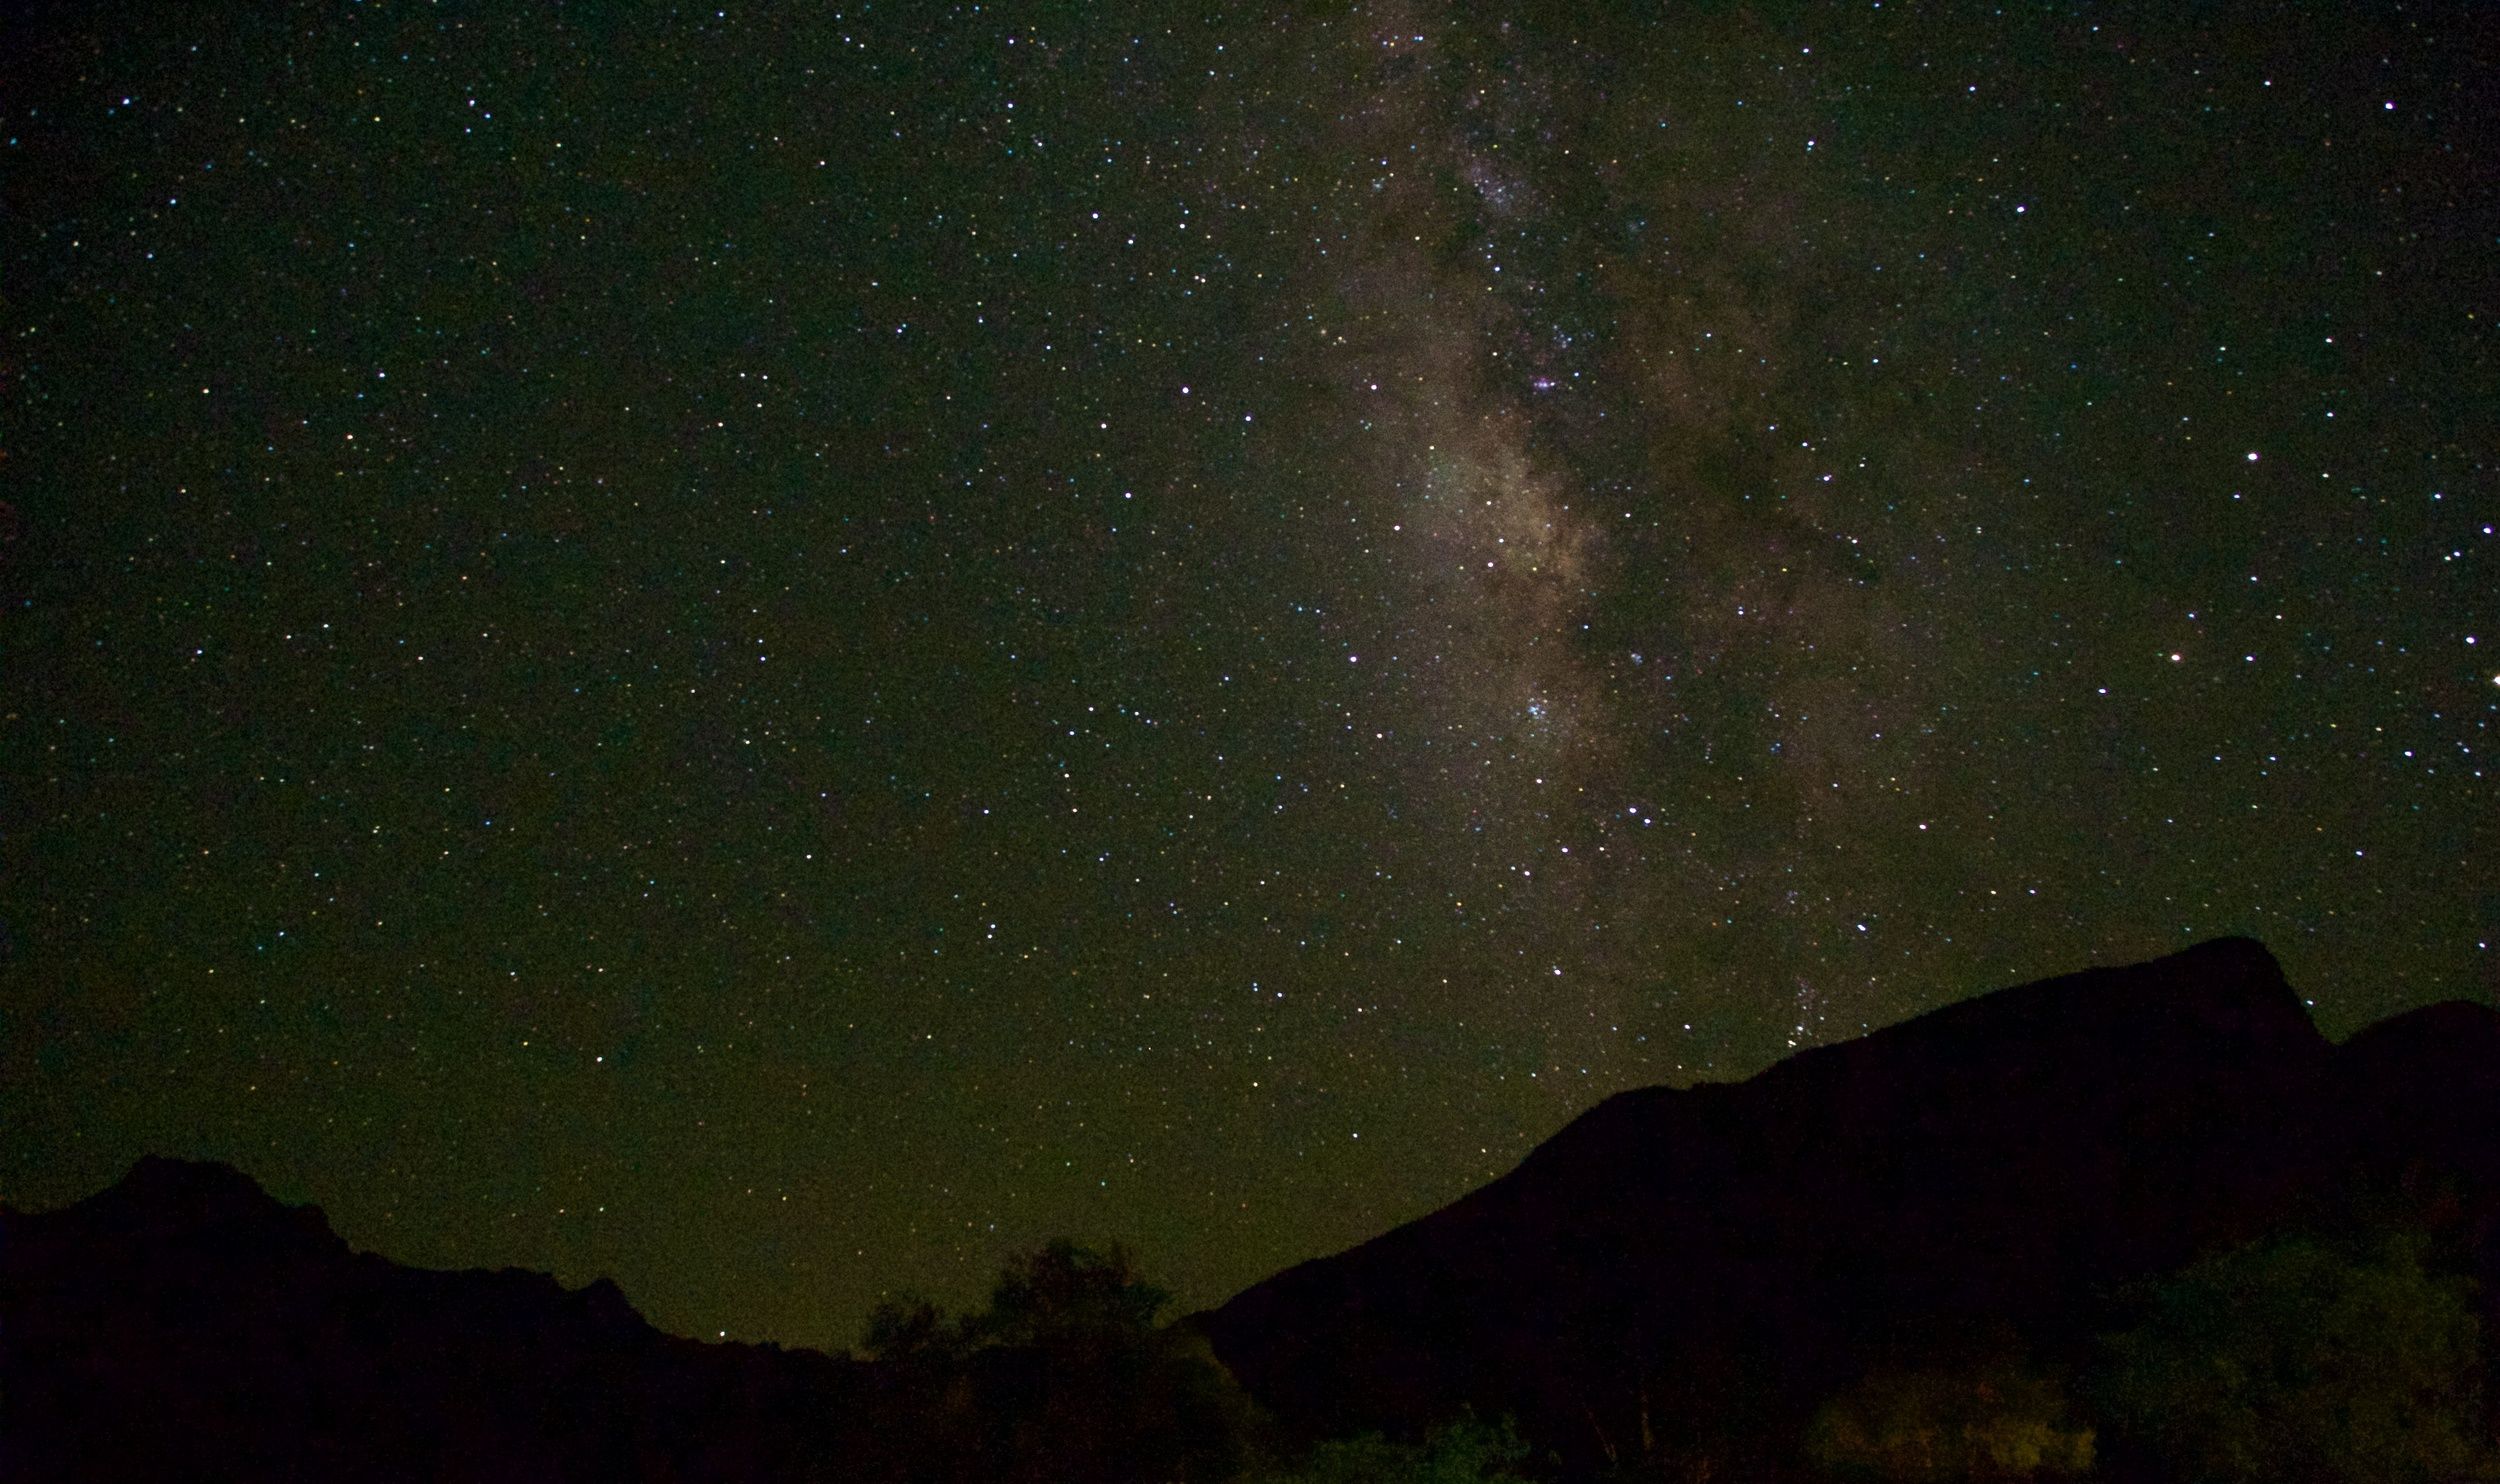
<point x="1978" y="1181"/>
<point x="2021" y="1233"/>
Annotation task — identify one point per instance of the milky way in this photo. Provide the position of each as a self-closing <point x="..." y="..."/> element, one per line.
<point x="776" y="657"/>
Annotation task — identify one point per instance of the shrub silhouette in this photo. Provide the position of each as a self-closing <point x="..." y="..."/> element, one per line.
<point x="1997" y="1422"/>
<point x="2301" y="1359"/>
<point x="1468" y="1451"/>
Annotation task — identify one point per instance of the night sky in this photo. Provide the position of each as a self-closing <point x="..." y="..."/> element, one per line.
<point x="778" y="656"/>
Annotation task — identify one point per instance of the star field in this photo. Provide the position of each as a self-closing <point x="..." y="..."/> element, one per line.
<point x="777" y="655"/>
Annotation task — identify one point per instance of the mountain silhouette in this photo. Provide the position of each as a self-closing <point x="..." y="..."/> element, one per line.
<point x="1988" y="1172"/>
<point x="184" y="1325"/>
<point x="1975" y="1182"/>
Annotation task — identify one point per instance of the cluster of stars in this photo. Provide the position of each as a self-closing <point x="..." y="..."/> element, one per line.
<point x="776" y="659"/>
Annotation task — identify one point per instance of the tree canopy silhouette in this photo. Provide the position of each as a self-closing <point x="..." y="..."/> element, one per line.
<point x="2299" y="1358"/>
<point x="1064" y="1376"/>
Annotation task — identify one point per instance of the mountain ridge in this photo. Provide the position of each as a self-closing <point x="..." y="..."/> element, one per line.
<point x="1999" y="1164"/>
<point x="256" y="1344"/>
<point x="1978" y="1178"/>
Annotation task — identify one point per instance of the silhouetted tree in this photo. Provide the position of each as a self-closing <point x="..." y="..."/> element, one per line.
<point x="2301" y="1359"/>
<point x="912" y="1331"/>
<point x="1064" y="1377"/>
<point x="1066" y="1294"/>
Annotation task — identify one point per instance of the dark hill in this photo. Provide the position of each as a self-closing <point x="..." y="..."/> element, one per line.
<point x="2424" y="1086"/>
<point x="183" y="1325"/>
<point x="1717" y="1259"/>
<point x="1737" y="1252"/>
